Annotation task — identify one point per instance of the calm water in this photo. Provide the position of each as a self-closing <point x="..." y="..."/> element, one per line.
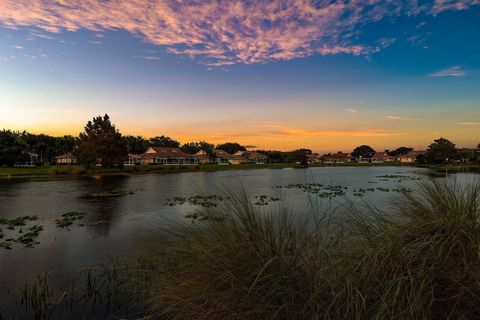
<point x="131" y="221"/>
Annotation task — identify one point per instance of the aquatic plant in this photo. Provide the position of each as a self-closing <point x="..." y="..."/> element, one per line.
<point x="67" y="219"/>
<point x="17" y="233"/>
<point x="28" y="239"/>
<point x="199" y="200"/>
<point x="99" y="291"/>
<point x="323" y="191"/>
<point x="263" y="200"/>
<point x="108" y="194"/>
<point x="37" y="296"/>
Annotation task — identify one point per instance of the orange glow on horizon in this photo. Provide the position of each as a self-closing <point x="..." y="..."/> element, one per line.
<point x="321" y="141"/>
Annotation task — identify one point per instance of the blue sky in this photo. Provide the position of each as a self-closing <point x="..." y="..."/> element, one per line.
<point x="302" y="77"/>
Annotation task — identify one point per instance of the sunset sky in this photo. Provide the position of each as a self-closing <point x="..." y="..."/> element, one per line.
<point x="277" y="74"/>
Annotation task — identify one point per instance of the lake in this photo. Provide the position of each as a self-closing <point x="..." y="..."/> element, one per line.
<point x="126" y="225"/>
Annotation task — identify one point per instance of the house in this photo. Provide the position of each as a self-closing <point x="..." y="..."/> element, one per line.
<point x="250" y="157"/>
<point x="339" y="157"/>
<point x="378" y="157"/>
<point x="167" y="156"/>
<point x="223" y="157"/>
<point x="257" y="158"/>
<point x="382" y="157"/>
<point x="314" y="158"/>
<point x="203" y="157"/>
<point x="65" y="159"/>
<point x="239" y="158"/>
<point x="32" y="163"/>
<point x="220" y="157"/>
<point x="133" y="159"/>
<point x="410" y="157"/>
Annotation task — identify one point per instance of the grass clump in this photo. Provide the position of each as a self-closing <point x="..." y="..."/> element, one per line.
<point x="419" y="261"/>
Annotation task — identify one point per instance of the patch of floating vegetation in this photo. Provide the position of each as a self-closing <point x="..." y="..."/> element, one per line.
<point x="332" y="191"/>
<point x="203" y="201"/>
<point x="108" y="194"/>
<point x="361" y="192"/>
<point x="19" y="233"/>
<point x="383" y="189"/>
<point x="323" y="191"/>
<point x="398" y="177"/>
<point x="96" y="223"/>
<point x="17" y="222"/>
<point x="263" y="200"/>
<point x="67" y="219"/>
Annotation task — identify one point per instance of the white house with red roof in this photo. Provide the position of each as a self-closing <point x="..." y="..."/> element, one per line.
<point x="250" y="157"/>
<point x="411" y="157"/>
<point x="381" y="157"/>
<point x="167" y="156"/>
<point x="339" y="157"/>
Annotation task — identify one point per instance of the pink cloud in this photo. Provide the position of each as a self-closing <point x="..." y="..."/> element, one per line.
<point x="444" y="5"/>
<point x="226" y="32"/>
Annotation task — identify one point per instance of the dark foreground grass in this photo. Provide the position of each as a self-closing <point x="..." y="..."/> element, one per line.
<point x="420" y="262"/>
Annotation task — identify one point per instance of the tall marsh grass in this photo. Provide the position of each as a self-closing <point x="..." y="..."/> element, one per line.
<point x="418" y="261"/>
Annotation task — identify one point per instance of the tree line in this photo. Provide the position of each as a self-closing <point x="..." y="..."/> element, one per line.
<point x="101" y="142"/>
<point x="440" y="151"/>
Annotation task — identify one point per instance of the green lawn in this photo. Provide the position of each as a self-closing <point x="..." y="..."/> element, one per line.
<point x="81" y="171"/>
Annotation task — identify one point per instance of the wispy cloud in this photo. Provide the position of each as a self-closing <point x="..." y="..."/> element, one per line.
<point x="220" y="33"/>
<point x="147" y="57"/>
<point x="402" y="118"/>
<point x="455" y="71"/>
<point x="352" y="110"/>
<point x="386" y="42"/>
<point x="443" y="5"/>
<point x="33" y="35"/>
<point x="268" y="124"/>
<point x="472" y="123"/>
<point x="305" y="133"/>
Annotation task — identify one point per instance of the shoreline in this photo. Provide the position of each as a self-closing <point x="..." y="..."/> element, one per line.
<point x="80" y="171"/>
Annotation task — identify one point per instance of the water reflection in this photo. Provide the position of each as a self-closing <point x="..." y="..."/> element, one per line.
<point x="102" y="211"/>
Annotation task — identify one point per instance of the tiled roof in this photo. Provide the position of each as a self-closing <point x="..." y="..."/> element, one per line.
<point x="166" y="152"/>
<point x="223" y="154"/>
<point x="65" y="155"/>
<point x="256" y="155"/>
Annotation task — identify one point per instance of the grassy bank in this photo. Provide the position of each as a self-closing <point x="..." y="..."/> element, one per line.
<point x="82" y="171"/>
<point x="418" y="260"/>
